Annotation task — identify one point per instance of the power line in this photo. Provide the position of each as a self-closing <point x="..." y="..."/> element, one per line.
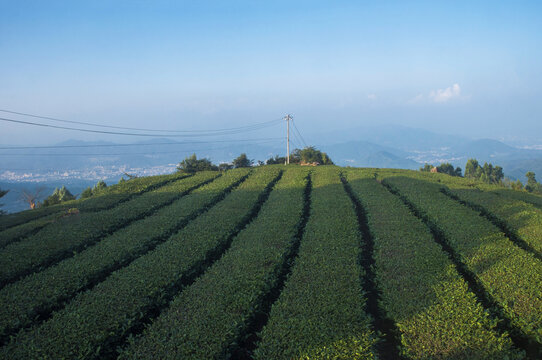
<point x="295" y="142"/>
<point x="303" y="140"/>
<point x="139" y="129"/>
<point x="132" y="144"/>
<point x="268" y="124"/>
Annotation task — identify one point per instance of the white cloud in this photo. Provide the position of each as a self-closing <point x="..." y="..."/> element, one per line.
<point x="371" y="96"/>
<point x="443" y="95"/>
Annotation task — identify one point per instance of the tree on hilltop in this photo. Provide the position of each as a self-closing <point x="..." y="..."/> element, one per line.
<point x="532" y="184"/>
<point x="242" y="161"/>
<point x="58" y="196"/>
<point x="310" y="155"/>
<point x="427" y="167"/>
<point x="444" y="168"/>
<point x="276" y="160"/>
<point x="99" y="187"/>
<point x="225" y="166"/>
<point x="192" y="164"/>
<point x="488" y="173"/>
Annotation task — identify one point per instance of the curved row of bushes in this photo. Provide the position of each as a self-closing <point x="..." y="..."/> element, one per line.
<point x="321" y="311"/>
<point x="56" y="284"/>
<point x="210" y="315"/>
<point x="105" y="199"/>
<point x="510" y="276"/>
<point x="73" y="233"/>
<point x="97" y="321"/>
<point x="421" y="291"/>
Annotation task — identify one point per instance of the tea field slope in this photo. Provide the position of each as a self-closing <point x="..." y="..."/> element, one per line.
<point x="277" y="262"/>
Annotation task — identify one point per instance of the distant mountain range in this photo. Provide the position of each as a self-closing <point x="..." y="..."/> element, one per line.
<point x="80" y="164"/>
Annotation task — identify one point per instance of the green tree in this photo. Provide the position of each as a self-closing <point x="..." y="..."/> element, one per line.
<point x="446" y="168"/>
<point x="471" y="168"/>
<point x="515" y="185"/>
<point x="532" y="184"/>
<point x="326" y="159"/>
<point x="192" y="164"/>
<point x="427" y="167"/>
<point x="497" y="174"/>
<point x="242" y="161"/>
<point x="276" y="160"/>
<point x="59" y="195"/>
<point x="224" y="166"/>
<point x="487" y="169"/>
<point x="100" y="185"/>
<point x="86" y="193"/>
<point x="2" y="193"/>
<point x="487" y="173"/>
<point x="310" y="155"/>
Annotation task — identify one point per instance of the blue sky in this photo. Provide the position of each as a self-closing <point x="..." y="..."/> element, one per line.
<point x="461" y="67"/>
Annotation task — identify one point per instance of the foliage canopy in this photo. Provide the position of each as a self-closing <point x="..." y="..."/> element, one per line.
<point x="488" y="173"/>
<point x="444" y="168"/>
<point x="59" y="195"/>
<point x="242" y="161"/>
<point x="192" y="164"/>
<point x="310" y="154"/>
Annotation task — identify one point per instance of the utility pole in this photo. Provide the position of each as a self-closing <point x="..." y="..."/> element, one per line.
<point x="288" y="118"/>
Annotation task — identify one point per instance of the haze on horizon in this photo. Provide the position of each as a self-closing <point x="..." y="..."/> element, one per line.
<point x="463" y="67"/>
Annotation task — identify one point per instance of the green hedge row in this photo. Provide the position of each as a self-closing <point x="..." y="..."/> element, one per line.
<point x="514" y="211"/>
<point x="29" y="224"/>
<point x="212" y="313"/>
<point x="510" y="276"/>
<point x="520" y="195"/>
<point x="115" y="194"/>
<point x="21" y="231"/>
<point x="41" y="292"/>
<point x="522" y="218"/>
<point x="96" y="321"/>
<point x="107" y="198"/>
<point x="321" y="311"/>
<point x="75" y="232"/>
<point x="421" y="291"/>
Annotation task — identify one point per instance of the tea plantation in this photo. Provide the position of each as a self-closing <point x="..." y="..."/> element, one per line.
<point x="277" y="262"/>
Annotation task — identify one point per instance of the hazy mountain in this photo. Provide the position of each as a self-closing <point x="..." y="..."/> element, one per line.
<point x="493" y="149"/>
<point x="367" y="154"/>
<point x="394" y="136"/>
<point x="384" y="159"/>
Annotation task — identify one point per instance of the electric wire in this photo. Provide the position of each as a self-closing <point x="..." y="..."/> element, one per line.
<point x="133" y="134"/>
<point x="299" y="133"/>
<point x="139" y="129"/>
<point x="294" y="139"/>
<point x="294" y="142"/>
